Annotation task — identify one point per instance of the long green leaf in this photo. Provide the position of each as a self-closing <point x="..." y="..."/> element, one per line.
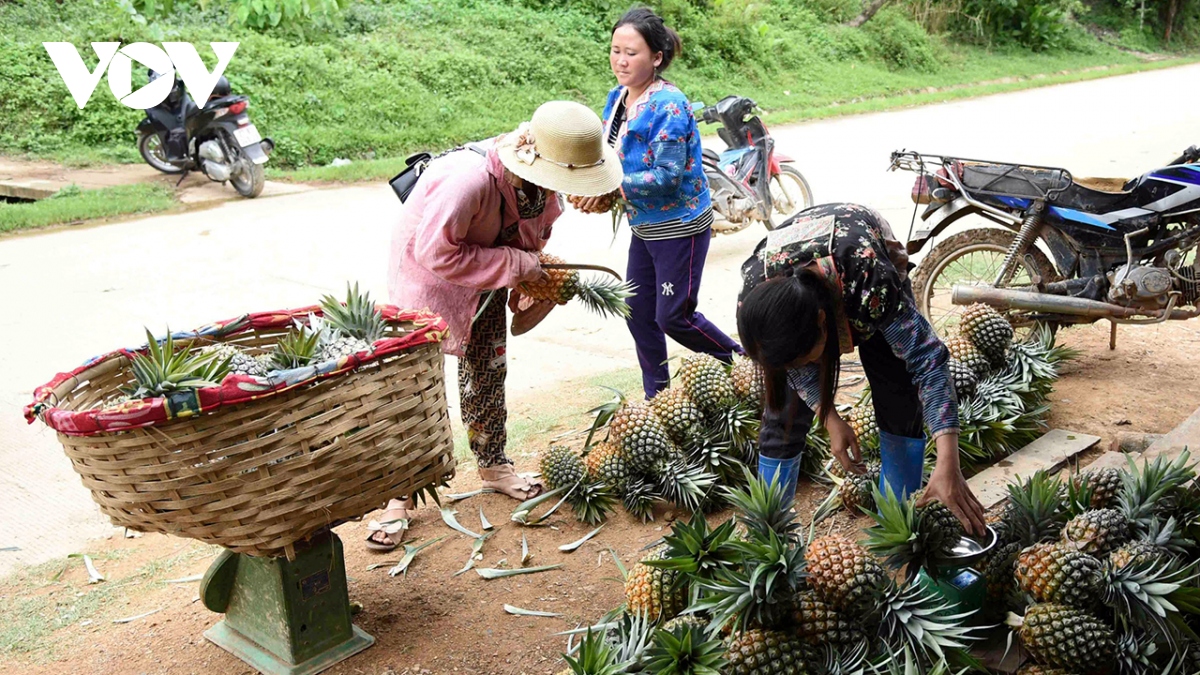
<point x="492" y="573"/>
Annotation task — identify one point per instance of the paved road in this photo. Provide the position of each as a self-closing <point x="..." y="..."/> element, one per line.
<point x="70" y="294"/>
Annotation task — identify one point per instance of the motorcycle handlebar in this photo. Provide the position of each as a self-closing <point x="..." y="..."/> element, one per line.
<point x="1190" y="155"/>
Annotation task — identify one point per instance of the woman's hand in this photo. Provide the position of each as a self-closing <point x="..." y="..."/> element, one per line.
<point x="948" y="486"/>
<point x="601" y="204"/>
<point x="844" y="444"/>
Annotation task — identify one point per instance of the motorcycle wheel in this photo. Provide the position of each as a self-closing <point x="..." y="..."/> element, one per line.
<point x="249" y="182"/>
<point x="974" y="257"/>
<point x="151" y="148"/>
<point x="790" y="194"/>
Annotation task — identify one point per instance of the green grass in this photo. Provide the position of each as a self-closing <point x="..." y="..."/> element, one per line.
<point x="71" y="205"/>
<point x="385" y="78"/>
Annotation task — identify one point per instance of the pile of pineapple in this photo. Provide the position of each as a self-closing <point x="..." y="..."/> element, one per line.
<point x="1002" y="387"/>
<point x="343" y="329"/>
<point x="1097" y="571"/>
<point x="677" y="447"/>
<point x="756" y="596"/>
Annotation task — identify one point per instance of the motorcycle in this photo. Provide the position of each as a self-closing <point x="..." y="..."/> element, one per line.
<point x="1067" y="251"/>
<point x="177" y="137"/>
<point x="749" y="181"/>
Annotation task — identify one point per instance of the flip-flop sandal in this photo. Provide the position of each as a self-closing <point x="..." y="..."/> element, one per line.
<point x="393" y="528"/>
<point x="503" y="478"/>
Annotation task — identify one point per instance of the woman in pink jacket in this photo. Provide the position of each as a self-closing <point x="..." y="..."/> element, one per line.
<point x="469" y="235"/>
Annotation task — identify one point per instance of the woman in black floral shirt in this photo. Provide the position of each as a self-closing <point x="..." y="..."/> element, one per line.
<point x="838" y="266"/>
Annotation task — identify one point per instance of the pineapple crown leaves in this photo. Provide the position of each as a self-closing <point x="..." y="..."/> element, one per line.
<point x="1149" y="594"/>
<point x="685" y="650"/>
<point x="844" y="661"/>
<point x="1037" y="512"/>
<point x="604" y="413"/>
<point x="605" y="297"/>
<point x="1144" y="488"/>
<point x="592" y="501"/>
<point x="595" y="657"/>
<point x="357" y="318"/>
<point x="164" y="369"/>
<point x="696" y="551"/>
<point x="912" y="617"/>
<point x="684" y="484"/>
<point x="761" y="591"/>
<point x="296" y="349"/>
<point x="630" y="638"/>
<point x="762" y="508"/>
<point x="900" y="534"/>
<point x="736" y="427"/>
<point x="639" y="499"/>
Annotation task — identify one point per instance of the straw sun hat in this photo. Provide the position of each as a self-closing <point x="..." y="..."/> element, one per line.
<point x="562" y="149"/>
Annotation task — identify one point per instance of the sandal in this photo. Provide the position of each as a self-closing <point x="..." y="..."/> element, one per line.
<point x="393" y="523"/>
<point x="503" y="478"/>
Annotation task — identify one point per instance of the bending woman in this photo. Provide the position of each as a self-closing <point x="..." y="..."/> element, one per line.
<point x="830" y="279"/>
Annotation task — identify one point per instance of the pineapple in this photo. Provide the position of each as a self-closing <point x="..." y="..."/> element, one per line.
<point x="685" y="620"/>
<point x="761" y="509"/>
<point x="603" y="296"/>
<point x="989" y="331"/>
<point x="164" y="369"/>
<point x="843" y="574"/>
<point x="1097" y="532"/>
<point x="297" y="349"/>
<point x="349" y="328"/>
<point x="678" y="413"/>
<point x="642" y="436"/>
<point x="1068" y="638"/>
<point x="967" y="354"/>
<point x="1105" y="486"/>
<point x="747" y="377"/>
<point x="853" y="492"/>
<point x="1161" y="543"/>
<point x="862" y="421"/>
<point x="240" y="361"/>
<point x="759" y="593"/>
<point x="1033" y="514"/>
<point x="1146" y="594"/>
<point x="819" y="624"/>
<point x="561" y="467"/>
<point x="659" y="593"/>
<point x="684" y="649"/>
<point x="965" y="380"/>
<point x="605" y="463"/>
<point x="768" y="652"/>
<point x="1057" y="573"/>
<point x="708" y="383"/>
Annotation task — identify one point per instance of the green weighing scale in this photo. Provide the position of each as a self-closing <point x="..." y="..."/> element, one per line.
<point x="284" y="617"/>
<point x="956" y="580"/>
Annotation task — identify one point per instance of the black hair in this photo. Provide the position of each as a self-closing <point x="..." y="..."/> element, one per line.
<point x="779" y="321"/>
<point x="658" y="36"/>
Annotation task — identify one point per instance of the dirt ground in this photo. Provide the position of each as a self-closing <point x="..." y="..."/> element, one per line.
<point x="431" y="622"/>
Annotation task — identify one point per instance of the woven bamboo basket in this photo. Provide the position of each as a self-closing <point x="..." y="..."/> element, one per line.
<point x="259" y="464"/>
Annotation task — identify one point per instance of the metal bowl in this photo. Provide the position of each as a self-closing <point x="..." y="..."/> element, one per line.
<point x="970" y="550"/>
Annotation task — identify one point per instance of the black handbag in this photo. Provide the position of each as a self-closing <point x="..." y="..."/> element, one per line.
<point x="415" y="165"/>
<point x="404" y="182"/>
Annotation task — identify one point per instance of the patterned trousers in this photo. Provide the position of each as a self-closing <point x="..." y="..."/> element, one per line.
<point x="481" y="373"/>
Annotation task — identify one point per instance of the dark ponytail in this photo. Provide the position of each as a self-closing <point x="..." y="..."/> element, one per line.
<point x="778" y="323"/>
<point x="658" y="36"/>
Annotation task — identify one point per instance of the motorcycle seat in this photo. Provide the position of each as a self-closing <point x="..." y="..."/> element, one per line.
<point x="1012" y="180"/>
<point x="1096" y="195"/>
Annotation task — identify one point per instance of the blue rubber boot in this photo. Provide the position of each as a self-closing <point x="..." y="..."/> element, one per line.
<point x="903" y="462"/>
<point x="785" y="471"/>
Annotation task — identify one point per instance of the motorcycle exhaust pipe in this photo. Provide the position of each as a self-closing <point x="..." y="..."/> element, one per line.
<point x="1003" y="298"/>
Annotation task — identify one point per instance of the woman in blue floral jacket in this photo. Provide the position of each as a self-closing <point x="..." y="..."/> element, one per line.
<point x="650" y="123"/>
